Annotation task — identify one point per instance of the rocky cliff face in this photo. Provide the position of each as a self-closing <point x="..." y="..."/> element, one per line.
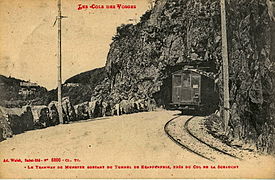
<point x="252" y="73"/>
<point x="172" y="34"/>
<point x="179" y="32"/>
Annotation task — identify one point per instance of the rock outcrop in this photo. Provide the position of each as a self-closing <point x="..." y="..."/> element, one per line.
<point x="186" y="32"/>
<point x="15" y="121"/>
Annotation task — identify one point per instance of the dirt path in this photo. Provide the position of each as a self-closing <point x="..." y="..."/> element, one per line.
<point x="128" y="140"/>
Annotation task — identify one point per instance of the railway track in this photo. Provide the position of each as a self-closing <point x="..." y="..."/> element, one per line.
<point x="190" y="136"/>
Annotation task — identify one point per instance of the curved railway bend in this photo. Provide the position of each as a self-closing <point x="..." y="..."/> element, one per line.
<point x="122" y="141"/>
<point x="177" y="130"/>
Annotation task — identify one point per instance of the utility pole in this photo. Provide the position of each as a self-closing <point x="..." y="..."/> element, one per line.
<point x="59" y="58"/>
<point x="226" y="104"/>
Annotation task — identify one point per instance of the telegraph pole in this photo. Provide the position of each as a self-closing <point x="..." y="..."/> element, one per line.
<point x="59" y="57"/>
<point x="226" y="104"/>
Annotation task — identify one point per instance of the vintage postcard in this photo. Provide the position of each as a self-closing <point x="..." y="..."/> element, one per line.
<point x="137" y="89"/>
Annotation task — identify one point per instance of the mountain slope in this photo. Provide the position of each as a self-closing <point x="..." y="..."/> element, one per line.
<point x="92" y="77"/>
<point x="9" y="96"/>
<point x="183" y="32"/>
<point x="80" y="87"/>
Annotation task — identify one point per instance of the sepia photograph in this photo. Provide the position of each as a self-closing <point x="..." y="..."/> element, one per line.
<point x="137" y="89"/>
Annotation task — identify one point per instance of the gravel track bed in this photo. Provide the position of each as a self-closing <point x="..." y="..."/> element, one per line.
<point x="177" y="130"/>
<point x="197" y="128"/>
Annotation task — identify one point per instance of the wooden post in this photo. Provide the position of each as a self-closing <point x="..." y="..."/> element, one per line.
<point x="225" y="67"/>
<point x="59" y="57"/>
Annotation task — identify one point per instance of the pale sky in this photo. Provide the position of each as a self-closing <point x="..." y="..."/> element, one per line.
<point x="28" y="40"/>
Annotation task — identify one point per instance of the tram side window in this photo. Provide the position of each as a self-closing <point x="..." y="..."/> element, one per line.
<point x="186" y="82"/>
<point x="195" y="82"/>
<point x="177" y="80"/>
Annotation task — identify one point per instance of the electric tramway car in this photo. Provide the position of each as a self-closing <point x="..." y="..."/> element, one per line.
<point x="193" y="89"/>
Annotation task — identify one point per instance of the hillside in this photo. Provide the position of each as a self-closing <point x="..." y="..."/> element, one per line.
<point x="85" y="85"/>
<point x="179" y="32"/>
<point x="92" y="77"/>
<point x="80" y="87"/>
<point x="10" y="97"/>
